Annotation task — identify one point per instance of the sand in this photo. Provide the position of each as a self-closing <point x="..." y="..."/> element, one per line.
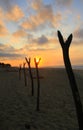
<point x="57" y="109"/>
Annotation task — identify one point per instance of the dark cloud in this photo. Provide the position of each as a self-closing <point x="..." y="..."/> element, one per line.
<point x="78" y="37"/>
<point x="6" y="4"/>
<point x="77" y="42"/>
<point x="6" y="48"/>
<point x="79" y="33"/>
<point x="42" y="40"/>
<point x="1" y="45"/>
<point x="7" y="51"/>
<point x="8" y="55"/>
<point x="63" y="2"/>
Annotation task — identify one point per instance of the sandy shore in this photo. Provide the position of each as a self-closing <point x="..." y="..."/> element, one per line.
<point x="57" y="109"/>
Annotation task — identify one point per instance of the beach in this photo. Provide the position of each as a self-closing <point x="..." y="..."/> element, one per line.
<point x="57" y="108"/>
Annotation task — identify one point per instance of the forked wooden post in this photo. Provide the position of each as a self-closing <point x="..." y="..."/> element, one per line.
<point x="25" y="80"/>
<point x="38" y="82"/>
<point x="20" y="72"/>
<point x="30" y="72"/>
<point x="65" y="48"/>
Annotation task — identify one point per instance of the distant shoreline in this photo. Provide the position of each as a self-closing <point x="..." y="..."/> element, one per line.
<point x="63" y="67"/>
<point x="80" y="67"/>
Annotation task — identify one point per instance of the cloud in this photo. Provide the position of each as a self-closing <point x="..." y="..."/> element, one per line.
<point x="63" y="2"/>
<point x="15" y="14"/>
<point x="3" y="29"/>
<point x="44" y="15"/>
<point x="36" y="5"/>
<point x="6" y="4"/>
<point x="19" y="34"/>
<point x="7" y="51"/>
<point x="8" y="55"/>
<point x="39" y="40"/>
<point x="79" y="33"/>
<point x="42" y="40"/>
<point x="1" y="14"/>
<point x="6" y="48"/>
<point x="27" y="24"/>
<point x="40" y="43"/>
<point x="19" y="37"/>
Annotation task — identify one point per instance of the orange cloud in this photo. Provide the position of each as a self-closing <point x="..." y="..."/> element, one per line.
<point x="37" y="4"/>
<point x="15" y="13"/>
<point x="1" y="13"/>
<point x="27" y="24"/>
<point x="44" y="14"/>
<point x="57" y="19"/>
<point x="41" y="43"/>
<point x="14" y="40"/>
<point x="41" y="18"/>
<point x="16" y="37"/>
<point x="3" y="29"/>
<point x="20" y="33"/>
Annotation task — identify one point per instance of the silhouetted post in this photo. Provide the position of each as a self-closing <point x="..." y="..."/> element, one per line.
<point x="38" y="82"/>
<point x="25" y="80"/>
<point x="20" y="72"/>
<point x="31" y="76"/>
<point x="65" y="48"/>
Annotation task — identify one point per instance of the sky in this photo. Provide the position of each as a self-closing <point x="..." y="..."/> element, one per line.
<point x="28" y="28"/>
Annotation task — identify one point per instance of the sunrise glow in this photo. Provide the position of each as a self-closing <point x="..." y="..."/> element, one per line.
<point x="28" y="28"/>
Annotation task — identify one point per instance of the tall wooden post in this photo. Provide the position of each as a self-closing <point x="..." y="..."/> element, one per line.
<point x="65" y="48"/>
<point x="20" y="72"/>
<point x="38" y="82"/>
<point x="30" y="72"/>
<point x="25" y="80"/>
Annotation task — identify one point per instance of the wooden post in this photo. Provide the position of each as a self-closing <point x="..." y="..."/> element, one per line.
<point x="20" y="72"/>
<point x="25" y="80"/>
<point x="30" y="72"/>
<point x="65" y="48"/>
<point x="38" y="82"/>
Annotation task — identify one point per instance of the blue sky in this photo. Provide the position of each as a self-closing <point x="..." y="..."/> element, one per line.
<point x="29" y="28"/>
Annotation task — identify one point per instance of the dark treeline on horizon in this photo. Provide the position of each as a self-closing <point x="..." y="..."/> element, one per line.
<point x="4" y="65"/>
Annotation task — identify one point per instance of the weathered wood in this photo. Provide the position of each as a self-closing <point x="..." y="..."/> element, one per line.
<point x="30" y="72"/>
<point x="65" y="48"/>
<point x="38" y="83"/>
<point x="25" y="79"/>
<point x="20" y="72"/>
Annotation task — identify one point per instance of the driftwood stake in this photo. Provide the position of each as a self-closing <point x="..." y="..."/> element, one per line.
<point x="20" y="72"/>
<point x="65" y="48"/>
<point x="30" y="72"/>
<point x="38" y="82"/>
<point x="25" y="80"/>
